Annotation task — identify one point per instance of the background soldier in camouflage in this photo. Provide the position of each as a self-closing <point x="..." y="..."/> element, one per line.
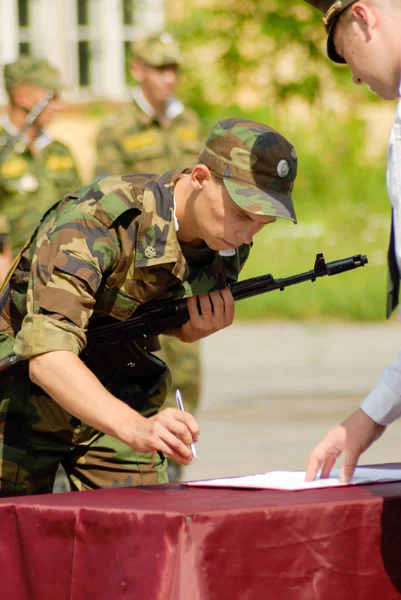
<point x="366" y="36"/>
<point x="104" y="251"/>
<point x="153" y="134"/>
<point x="36" y="170"/>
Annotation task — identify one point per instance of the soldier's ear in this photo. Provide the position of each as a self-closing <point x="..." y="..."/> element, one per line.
<point x="366" y="18"/>
<point x="199" y="175"/>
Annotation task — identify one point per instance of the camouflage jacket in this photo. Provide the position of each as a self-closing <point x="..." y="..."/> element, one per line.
<point x="133" y="141"/>
<point x="30" y="183"/>
<point x="104" y="250"/>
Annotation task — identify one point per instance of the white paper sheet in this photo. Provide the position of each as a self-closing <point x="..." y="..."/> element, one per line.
<point x="295" y="480"/>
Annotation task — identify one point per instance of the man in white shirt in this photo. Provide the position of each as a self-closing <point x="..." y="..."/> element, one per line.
<point x="365" y="35"/>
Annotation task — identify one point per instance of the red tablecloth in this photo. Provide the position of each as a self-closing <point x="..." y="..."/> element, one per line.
<point x="180" y="543"/>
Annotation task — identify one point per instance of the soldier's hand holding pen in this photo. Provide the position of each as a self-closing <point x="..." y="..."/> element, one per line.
<point x="171" y="431"/>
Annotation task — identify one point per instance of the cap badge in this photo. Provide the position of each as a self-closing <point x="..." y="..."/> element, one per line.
<point x="283" y="168"/>
<point x="334" y="8"/>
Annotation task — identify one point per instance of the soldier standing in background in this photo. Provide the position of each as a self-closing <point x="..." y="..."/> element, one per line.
<point x="35" y="170"/>
<point x="152" y="134"/>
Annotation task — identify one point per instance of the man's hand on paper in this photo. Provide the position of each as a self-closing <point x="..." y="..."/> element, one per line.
<point x="353" y="436"/>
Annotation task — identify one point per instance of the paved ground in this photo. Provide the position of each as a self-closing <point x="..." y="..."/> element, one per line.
<point x="272" y="391"/>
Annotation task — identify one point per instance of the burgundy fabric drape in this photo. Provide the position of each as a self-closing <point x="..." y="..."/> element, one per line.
<point x="178" y="543"/>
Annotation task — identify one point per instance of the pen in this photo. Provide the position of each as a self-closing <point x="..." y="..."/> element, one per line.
<point x="180" y="405"/>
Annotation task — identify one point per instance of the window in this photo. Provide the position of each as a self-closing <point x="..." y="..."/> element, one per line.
<point x="84" y="58"/>
<point x="24" y="48"/>
<point x="128" y="12"/>
<point x="23" y="13"/>
<point x="83" y="12"/>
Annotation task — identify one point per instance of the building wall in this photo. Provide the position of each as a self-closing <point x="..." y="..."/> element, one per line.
<point x="87" y="39"/>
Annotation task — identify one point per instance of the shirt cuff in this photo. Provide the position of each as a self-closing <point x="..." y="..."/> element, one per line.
<point x="40" y="334"/>
<point x="382" y="404"/>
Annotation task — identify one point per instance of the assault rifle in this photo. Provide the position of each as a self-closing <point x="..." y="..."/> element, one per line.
<point x="8" y="142"/>
<point x="157" y="317"/>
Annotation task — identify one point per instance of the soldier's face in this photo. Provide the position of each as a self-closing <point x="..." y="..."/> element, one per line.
<point x="28" y="96"/>
<point x="158" y="83"/>
<point x="222" y="223"/>
<point x="364" y="43"/>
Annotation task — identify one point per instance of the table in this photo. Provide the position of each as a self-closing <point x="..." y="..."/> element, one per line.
<point x="177" y="543"/>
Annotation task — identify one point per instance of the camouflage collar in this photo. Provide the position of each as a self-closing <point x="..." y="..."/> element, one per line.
<point x="157" y="241"/>
<point x="41" y="141"/>
<point x="174" y="107"/>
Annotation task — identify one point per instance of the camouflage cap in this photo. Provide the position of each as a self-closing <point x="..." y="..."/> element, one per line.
<point x="157" y="49"/>
<point x="332" y="10"/>
<point x="257" y="164"/>
<point x="33" y="71"/>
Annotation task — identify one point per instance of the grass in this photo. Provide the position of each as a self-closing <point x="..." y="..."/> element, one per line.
<point x="339" y="229"/>
<point x="342" y="208"/>
<point x="358" y="295"/>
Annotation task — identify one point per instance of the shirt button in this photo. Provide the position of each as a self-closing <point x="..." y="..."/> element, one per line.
<point x="150" y="252"/>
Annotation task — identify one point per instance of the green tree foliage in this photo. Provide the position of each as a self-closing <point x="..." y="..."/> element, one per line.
<point x="249" y="52"/>
<point x="266" y="59"/>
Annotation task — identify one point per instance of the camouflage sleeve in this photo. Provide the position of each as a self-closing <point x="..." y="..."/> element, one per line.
<point x="42" y="334"/>
<point x="193" y="121"/>
<point x="188" y="132"/>
<point x="190" y="126"/>
<point x="109" y="155"/>
<point x="64" y="168"/>
<point x="72" y="253"/>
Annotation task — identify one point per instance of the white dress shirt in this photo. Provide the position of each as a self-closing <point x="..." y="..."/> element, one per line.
<point x="383" y="403"/>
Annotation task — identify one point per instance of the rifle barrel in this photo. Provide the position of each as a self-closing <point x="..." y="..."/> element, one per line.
<point x="266" y="283"/>
<point x="346" y="264"/>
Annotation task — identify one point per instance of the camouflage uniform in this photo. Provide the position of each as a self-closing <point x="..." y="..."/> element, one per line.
<point x="133" y="141"/>
<point x="106" y="250"/>
<point x="31" y="182"/>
